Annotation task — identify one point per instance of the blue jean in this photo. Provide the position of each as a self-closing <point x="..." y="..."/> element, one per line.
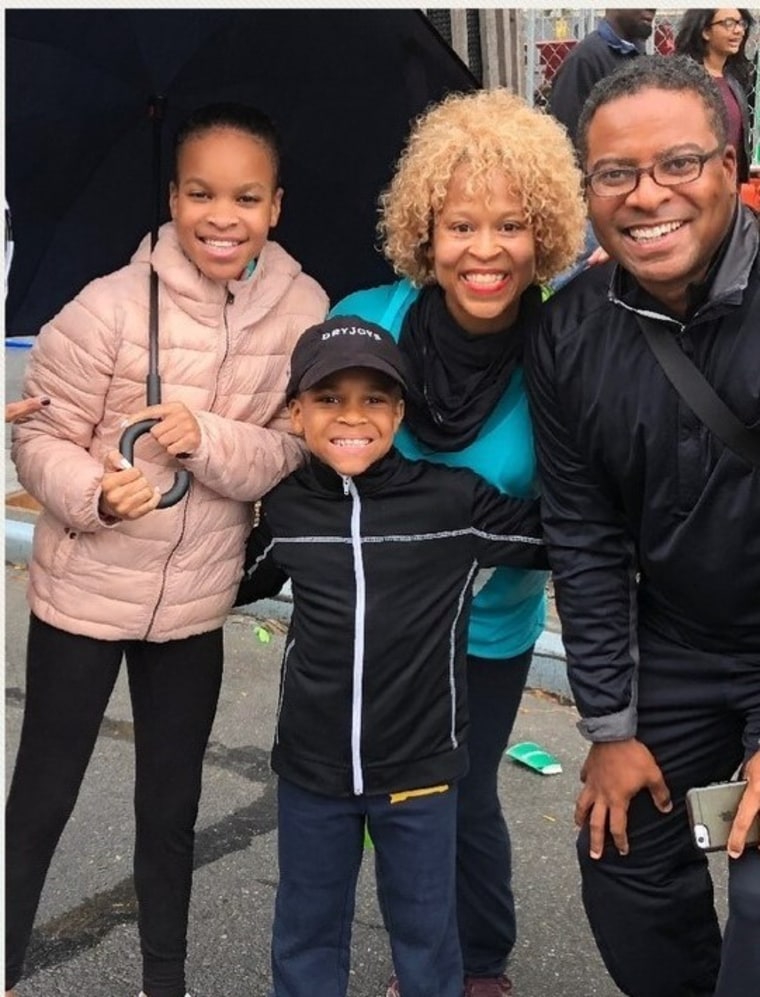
<point x="320" y="843"/>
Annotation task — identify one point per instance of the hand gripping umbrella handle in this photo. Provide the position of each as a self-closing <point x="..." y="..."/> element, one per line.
<point x="127" y="449"/>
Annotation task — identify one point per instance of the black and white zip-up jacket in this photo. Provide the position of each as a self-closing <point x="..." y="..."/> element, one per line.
<point x="372" y="695"/>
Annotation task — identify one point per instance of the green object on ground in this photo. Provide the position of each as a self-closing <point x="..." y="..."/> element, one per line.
<point x="535" y="757"/>
<point x="263" y="634"/>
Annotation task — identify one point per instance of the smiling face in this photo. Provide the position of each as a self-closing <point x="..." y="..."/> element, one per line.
<point x="664" y="236"/>
<point x="224" y="200"/>
<point x="724" y="42"/>
<point x="483" y="253"/>
<point x="349" y="420"/>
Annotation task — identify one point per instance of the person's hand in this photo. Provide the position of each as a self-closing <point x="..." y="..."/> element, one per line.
<point x="749" y="807"/>
<point x="597" y="257"/>
<point x="126" y="492"/>
<point x="613" y="773"/>
<point x="177" y="432"/>
<point x="16" y="411"/>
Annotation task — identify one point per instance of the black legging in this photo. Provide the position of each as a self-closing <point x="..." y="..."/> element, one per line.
<point x="174" y="687"/>
<point x="485" y="904"/>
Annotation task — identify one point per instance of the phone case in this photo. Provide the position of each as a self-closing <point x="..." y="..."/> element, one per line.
<point x="711" y="811"/>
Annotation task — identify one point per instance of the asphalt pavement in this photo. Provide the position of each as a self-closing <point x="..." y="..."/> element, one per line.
<point x="85" y="942"/>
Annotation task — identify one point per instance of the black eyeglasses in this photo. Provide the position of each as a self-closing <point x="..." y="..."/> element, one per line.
<point x="730" y="23"/>
<point x="616" y="181"/>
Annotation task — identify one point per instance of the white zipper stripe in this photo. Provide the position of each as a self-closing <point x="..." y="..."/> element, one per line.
<point x="400" y="538"/>
<point x="285" y="657"/>
<point x="452" y="655"/>
<point x="412" y="538"/>
<point x="259" y="559"/>
<point x="359" y="622"/>
<point x="658" y="316"/>
<point x="509" y="537"/>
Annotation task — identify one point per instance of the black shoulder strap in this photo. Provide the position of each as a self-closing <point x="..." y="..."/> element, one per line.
<point x="698" y="393"/>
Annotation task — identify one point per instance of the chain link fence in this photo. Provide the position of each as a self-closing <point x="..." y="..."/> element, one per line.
<point x="549" y="35"/>
<point x="523" y="49"/>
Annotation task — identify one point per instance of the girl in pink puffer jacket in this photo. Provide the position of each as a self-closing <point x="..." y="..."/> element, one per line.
<point x="111" y="575"/>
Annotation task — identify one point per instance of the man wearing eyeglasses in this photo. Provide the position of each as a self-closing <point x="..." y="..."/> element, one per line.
<point x="653" y="529"/>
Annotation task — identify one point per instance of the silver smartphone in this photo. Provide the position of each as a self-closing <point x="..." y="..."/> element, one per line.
<point x="711" y="811"/>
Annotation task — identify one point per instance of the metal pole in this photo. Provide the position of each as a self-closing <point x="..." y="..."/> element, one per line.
<point x="530" y="56"/>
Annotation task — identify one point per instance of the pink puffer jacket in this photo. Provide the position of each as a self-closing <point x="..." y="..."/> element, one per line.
<point x="225" y="352"/>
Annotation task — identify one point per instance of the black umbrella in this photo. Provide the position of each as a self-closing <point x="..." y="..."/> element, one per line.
<point x="341" y="85"/>
<point x="92" y="97"/>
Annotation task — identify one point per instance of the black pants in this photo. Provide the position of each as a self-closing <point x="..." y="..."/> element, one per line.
<point x="652" y="911"/>
<point x="485" y="903"/>
<point x="174" y="687"/>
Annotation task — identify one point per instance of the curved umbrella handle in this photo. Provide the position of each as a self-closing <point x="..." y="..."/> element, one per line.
<point x="127" y="449"/>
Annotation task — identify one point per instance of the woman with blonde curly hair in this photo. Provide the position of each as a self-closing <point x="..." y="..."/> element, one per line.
<point x="485" y="206"/>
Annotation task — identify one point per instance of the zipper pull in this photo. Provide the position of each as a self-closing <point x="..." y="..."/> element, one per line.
<point x="346" y="484"/>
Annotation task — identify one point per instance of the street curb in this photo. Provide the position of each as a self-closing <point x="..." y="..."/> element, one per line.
<point x="548" y="670"/>
<point x="18" y="541"/>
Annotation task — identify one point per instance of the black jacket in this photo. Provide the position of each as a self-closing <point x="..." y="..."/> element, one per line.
<point x="372" y="695"/>
<point x="650" y="521"/>
<point x="588" y="62"/>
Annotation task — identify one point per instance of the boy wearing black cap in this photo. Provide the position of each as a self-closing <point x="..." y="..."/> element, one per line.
<point x="372" y="722"/>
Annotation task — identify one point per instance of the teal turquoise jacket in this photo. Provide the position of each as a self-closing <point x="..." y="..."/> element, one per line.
<point x="509" y="607"/>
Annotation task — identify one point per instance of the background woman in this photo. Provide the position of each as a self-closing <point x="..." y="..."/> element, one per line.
<point x="717" y="39"/>
<point x="484" y="206"/>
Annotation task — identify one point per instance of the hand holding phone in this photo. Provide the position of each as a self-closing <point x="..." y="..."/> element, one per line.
<point x="711" y="811"/>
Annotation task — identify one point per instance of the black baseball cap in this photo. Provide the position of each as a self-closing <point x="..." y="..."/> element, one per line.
<point x="338" y="343"/>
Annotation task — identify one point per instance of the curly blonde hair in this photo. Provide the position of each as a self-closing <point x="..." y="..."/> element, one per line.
<point x="487" y="130"/>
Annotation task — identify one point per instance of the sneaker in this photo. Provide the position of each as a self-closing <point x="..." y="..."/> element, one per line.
<point x="488" y="986"/>
<point x="393" y="990"/>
